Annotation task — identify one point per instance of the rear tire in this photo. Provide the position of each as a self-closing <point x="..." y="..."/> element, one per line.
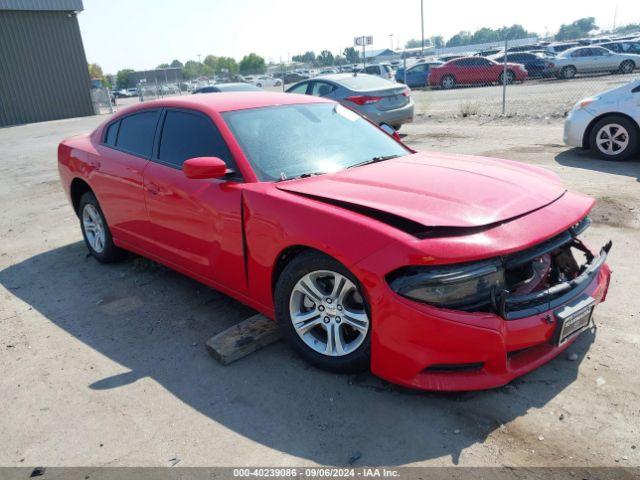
<point x="330" y="331"/>
<point x="626" y="67"/>
<point x="96" y="233"/>
<point x="448" y="82"/>
<point x="614" y="138"/>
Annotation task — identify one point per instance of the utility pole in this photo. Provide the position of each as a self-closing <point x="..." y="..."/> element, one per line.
<point x="422" y="23"/>
<point x="391" y="40"/>
<point x="364" y="56"/>
<point x="199" y="57"/>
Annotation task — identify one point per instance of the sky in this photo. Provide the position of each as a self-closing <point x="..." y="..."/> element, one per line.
<point x="142" y="34"/>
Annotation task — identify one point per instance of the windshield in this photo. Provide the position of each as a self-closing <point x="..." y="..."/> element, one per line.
<point x="291" y="140"/>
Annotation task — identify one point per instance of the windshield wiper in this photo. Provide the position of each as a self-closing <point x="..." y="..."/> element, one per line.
<point x="381" y="158"/>
<point x="284" y="178"/>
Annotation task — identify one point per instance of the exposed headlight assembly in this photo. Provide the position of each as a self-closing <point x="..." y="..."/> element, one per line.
<point x="461" y="286"/>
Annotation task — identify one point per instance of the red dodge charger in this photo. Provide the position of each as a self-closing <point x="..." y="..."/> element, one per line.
<point x="436" y="271"/>
<point x="475" y="70"/>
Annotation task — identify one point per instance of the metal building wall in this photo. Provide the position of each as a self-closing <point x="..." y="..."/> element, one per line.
<point x="43" y="67"/>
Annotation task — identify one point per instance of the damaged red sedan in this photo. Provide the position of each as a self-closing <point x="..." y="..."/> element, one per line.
<point x="436" y="271"/>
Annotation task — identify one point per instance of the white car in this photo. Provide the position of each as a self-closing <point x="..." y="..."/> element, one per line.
<point x="381" y="70"/>
<point x="608" y="123"/>
<point x="265" y="81"/>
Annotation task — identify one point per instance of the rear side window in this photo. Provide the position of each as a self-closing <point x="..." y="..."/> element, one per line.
<point x="321" y="89"/>
<point x="302" y="88"/>
<point x="188" y="135"/>
<point x="112" y="134"/>
<point x="137" y="131"/>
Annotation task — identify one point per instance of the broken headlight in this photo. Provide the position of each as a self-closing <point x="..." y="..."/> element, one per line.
<point x="461" y="286"/>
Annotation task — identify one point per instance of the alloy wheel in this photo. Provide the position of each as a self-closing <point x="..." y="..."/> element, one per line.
<point x="627" y="67"/>
<point x="93" y="228"/>
<point x="328" y="314"/>
<point x="612" y="139"/>
<point x="448" y="82"/>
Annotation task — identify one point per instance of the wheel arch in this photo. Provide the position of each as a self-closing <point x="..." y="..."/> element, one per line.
<point x="589" y="129"/>
<point x="78" y="188"/>
<point x="283" y="259"/>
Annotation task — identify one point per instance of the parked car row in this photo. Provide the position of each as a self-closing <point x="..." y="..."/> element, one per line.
<point x="622" y="57"/>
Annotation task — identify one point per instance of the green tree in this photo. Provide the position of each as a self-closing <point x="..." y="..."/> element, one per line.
<point x="437" y="41"/>
<point x="351" y="54"/>
<point x="306" y="57"/>
<point x="191" y="69"/>
<point x="415" y="43"/>
<point x="95" y="71"/>
<point x="577" y="29"/>
<point x="462" y="38"/>
<point x="211" y="61"/>
<point x="227" y="65"/>
<point x="122" y="78"/>
<point x="325" y="58"/>
<point x="252" y="64"/>
<point x="163" y="65"/>
<point x="176" y="64"/>
<point x="631" y="27"/>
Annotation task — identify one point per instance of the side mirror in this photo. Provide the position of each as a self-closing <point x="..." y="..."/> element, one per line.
<point x="204" y="167"/>
<point x="389" y="130"/>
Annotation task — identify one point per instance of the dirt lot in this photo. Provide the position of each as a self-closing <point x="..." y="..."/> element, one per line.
<point x="106" y="365"/>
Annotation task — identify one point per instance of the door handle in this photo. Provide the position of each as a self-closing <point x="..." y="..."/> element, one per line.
<point x="153" y="189"/>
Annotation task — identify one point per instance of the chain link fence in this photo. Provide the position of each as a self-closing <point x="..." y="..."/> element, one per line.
<point x="534" y="79"/>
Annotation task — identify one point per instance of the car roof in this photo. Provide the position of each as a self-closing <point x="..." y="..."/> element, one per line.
<point x="347" y="81"/>
<point x="225" y="102"/>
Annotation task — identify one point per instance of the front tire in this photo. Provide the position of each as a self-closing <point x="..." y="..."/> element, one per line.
<point x="568" y="72"/>
<point x="614" y="138"/>
<point x="96" y="233"/>
<point x="323" y="314"/>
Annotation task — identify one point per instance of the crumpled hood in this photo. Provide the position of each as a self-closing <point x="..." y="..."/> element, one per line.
<point x="438" y="190"/>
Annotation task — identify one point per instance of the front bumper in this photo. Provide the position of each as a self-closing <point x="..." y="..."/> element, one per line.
<point x="420" y="346"/>
<point x="575" y="126"/>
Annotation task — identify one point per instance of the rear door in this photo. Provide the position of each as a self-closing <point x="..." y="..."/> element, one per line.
<point x="196" y="225"/>
<point x="121" y="158"/>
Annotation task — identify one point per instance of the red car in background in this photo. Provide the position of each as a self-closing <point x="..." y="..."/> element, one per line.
<point x="473" y="71"/>
<point x="436" y="271"/>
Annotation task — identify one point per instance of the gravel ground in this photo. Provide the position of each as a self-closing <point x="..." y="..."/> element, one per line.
<point x="106" y="365"/>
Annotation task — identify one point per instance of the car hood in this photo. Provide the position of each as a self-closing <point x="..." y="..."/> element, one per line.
<point x="437" y="190"/>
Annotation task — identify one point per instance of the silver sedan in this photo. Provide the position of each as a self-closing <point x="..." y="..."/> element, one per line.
<point x="592" y="60"/>
<point x="381" y="101"/>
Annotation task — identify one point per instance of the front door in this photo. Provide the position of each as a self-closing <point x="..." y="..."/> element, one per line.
<point x="196" y="224"/>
